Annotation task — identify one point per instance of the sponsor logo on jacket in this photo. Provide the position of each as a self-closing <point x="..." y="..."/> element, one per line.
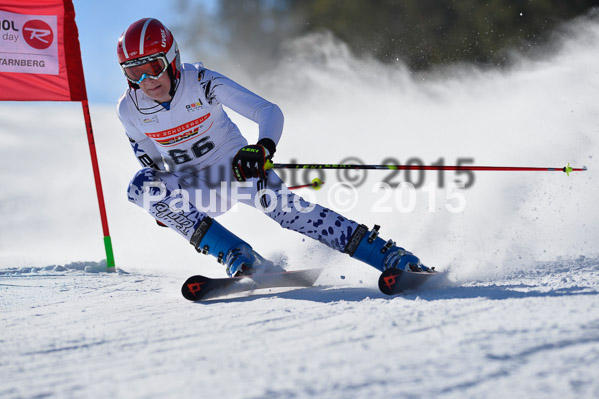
<point x="153" y="119"/>
<point x="194" y="106"/>
<point x="181" y="133"/>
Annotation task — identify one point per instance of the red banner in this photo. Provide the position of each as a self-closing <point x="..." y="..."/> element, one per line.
<point x="40" y="59"/>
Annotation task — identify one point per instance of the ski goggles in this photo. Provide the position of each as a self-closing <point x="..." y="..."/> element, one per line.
<point x="152" y="66"/>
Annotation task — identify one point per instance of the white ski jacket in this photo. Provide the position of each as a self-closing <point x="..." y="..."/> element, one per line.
<point x="193" y="131"/>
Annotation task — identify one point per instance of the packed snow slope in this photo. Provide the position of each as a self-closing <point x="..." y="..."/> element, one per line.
<point x="517" y="318"/>
<point x="530" y="334"/>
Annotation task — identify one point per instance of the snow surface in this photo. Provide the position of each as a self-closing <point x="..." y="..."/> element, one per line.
<point x="518" y="318"/>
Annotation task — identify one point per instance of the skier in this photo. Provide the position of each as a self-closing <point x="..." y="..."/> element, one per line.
<point x="194" y="158"/>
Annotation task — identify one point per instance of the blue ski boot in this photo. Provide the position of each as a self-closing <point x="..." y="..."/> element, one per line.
<point x="210" y="237"/>
<point x="368" y="247"/>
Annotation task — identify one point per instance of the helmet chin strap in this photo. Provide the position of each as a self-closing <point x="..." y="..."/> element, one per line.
<point x="174" y="82"/>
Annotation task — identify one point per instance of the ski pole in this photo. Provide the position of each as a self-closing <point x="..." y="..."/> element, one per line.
<point x="316" y="185"/>
<point x="566" y="169"/>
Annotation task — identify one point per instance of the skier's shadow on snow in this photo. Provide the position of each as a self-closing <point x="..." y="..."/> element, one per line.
<point x="446" y="290"/>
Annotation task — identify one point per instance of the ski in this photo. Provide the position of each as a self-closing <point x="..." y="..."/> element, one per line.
<point x="394" y="281"/>
<point x="199" y="288"/>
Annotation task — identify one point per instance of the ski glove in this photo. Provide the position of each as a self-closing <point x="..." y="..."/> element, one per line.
<point x="251" y="159"/>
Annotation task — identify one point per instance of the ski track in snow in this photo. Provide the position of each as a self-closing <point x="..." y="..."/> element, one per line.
<point x="518" y="319"/>
<point x="75" y="334"/>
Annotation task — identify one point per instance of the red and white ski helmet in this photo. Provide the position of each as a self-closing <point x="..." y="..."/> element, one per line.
<point x="148" y="37"/>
